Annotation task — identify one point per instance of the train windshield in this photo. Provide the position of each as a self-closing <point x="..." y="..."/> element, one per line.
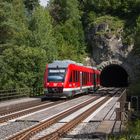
<point x="56" y="75"/>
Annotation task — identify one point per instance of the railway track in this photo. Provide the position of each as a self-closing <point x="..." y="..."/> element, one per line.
<point x="21" y="107"/>
<point x="14" y="115"/>
<point x="70" y="125"/>
<point x="28" y="133"/>
<point x="33" y="131"/>
<point x="24" y="110"/>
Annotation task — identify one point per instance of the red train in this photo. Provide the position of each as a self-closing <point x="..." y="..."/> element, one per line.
<point x="67" y="78"/>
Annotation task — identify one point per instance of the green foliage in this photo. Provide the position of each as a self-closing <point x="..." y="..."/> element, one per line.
<point x="22" y="67"/>
<point x="132" y="132"/>
<point x="114" y="23"/>
<point x="68" y="29"/>
<point x="31" y="36"/>
<point x="31" y="5"/>
<point x="42" y="33"/>
<point x="26" y="45"/>
<point x="137" y="37"/>
<point x="120" y="8"/>
<point x="91" y="17"/>
<point x="126" y="11"/>
<point x="134" y="127"/>
<point x="13" y="28"/>
<point x="6" y="30"/>
<point x="62" y="10"/>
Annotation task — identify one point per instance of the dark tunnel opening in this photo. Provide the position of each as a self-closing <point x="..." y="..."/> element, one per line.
<point x="114" y="76"/>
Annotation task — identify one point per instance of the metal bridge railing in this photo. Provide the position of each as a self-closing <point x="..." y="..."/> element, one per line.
<point x="19" y="93"/>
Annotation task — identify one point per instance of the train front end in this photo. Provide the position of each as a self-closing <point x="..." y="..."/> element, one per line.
<point x="54" y="79"/>
<point x="54" y="82"/>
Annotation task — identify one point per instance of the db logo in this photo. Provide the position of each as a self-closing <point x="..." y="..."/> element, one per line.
<point x="55" y="84"/>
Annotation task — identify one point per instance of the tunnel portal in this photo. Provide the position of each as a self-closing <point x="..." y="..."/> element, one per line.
<point x="114" y="76"/>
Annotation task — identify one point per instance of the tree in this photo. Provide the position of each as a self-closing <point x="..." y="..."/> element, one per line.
<point x="26" y="45"/>
<point x="31" y="5"/>
<point x="24" y="68"/>
<point x="42" y="33"/>
<point x="68" y="26"/>
<point x="13" y="28"/>
<point x="137" y="37"/>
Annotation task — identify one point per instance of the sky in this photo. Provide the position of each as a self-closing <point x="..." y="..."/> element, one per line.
<point x="43" y="2"/>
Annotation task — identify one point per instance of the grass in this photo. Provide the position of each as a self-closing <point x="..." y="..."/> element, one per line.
<point x="132" y="132"/>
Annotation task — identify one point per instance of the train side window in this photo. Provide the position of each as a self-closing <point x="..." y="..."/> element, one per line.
<point x="82" y="78"/>
<point x="74" y="76"/>
<point x="70" y="77"/>
<point x="94" y="78"/>
<point x="91" y="77"/>
<point x="78" y="76"/>
<point x="86" y="77"/>
<point x="98" y="77"/>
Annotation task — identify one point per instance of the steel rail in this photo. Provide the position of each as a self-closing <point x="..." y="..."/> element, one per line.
<point x="73" y="123"/>
<point x="19" y="108"/>
<point x="26" y="134"/>
<point x="70" y="125"/>
<point x="27" y="111"/>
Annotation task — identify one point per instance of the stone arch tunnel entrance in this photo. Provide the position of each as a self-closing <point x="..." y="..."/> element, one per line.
<point x="114" y="76"/>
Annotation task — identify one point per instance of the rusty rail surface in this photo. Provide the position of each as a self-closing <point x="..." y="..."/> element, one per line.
<point x="73" y="123"/>
<point x="7" y="110"/>
<point x="27" y="111"/>
<point x="70" y="125"/>
<point x="26" y="134"/>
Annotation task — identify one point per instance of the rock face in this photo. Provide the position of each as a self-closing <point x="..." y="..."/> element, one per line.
<point x="108" y="49"/>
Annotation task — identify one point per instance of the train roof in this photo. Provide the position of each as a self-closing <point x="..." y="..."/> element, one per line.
<point x="65" y="63"/>
<point x="61" y="64"/>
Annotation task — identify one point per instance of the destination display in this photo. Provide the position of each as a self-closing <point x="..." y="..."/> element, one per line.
<point x="57" y="71"/>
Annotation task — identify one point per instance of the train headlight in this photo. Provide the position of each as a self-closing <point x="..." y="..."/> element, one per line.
<point x="70" y="85"/>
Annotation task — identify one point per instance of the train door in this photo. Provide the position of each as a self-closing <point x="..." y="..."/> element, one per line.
<point x="80" y="81"/>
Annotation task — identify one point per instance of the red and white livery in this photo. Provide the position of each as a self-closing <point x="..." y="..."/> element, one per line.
<point x="68" y="78"/>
